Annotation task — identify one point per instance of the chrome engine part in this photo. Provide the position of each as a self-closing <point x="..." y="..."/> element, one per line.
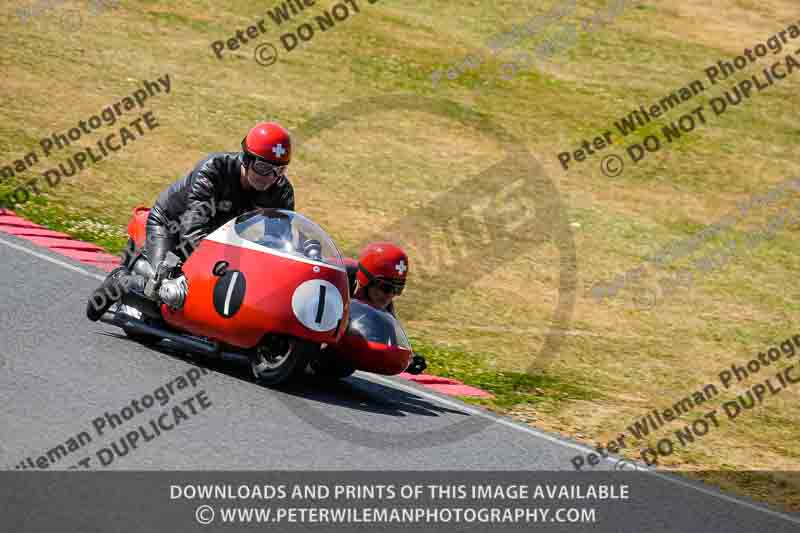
<point x="173" y="292"/>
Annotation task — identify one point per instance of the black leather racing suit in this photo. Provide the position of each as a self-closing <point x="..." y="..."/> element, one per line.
<point x="203" y="200"/>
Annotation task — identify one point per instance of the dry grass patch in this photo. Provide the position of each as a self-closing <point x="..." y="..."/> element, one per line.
<point x="371" y="172"/>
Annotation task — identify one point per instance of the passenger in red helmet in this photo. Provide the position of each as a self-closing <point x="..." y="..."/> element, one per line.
<point x="221" y="186"/>
<point x="381" y="274"/>
<point x="378" y="277"/>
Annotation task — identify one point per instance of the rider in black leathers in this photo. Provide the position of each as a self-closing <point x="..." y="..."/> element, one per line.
<point x="202" y="201"/>
<point x="220" y="187"/>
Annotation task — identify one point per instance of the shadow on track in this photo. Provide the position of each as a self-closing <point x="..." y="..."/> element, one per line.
<point x="363" y="395"/>
<point x="354" y="392"/>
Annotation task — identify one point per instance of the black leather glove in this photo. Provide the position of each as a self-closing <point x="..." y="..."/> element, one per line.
<point x="417" y="366"/>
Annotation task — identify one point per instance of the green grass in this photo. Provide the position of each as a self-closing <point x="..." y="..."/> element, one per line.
<point x="509" y="388"/>
<point x="101" y="232"/>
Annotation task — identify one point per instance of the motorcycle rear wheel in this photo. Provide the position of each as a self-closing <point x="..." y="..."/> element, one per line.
<point x="279" y="359"/>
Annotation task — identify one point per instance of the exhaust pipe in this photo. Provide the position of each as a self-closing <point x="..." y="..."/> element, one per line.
<point x="189" y="344"/>
<point x="137" y="326"/>
<point x="193" y="345"/>
<point x="235" y="357"/>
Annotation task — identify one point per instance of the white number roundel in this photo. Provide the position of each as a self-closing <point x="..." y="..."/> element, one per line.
<point x="318" y="305"/>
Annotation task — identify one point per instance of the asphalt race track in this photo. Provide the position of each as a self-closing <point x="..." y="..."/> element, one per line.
<point x="59" y="372"/>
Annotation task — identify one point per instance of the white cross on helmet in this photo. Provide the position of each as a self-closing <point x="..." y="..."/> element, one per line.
<point x="278" y="150"/>
<point x="401" y="267"/>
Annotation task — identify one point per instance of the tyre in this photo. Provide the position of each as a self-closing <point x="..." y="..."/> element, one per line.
<point x="279" y="359"/>
<point x="129" y="254"/>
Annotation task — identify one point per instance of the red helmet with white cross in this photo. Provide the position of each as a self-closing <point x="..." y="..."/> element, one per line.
<point x="269" y="141"/>
<point x="383" y="263"/>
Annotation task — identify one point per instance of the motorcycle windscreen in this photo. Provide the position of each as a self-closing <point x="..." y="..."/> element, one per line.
<point x="374" y="341"/>
<point x="290" y="233"/>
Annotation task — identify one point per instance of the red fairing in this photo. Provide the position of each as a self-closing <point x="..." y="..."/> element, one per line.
<point x="137" y="226"/>
<point x="271" y="282"/>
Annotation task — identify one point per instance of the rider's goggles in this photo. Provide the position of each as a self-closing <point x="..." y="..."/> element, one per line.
<point x="268" y="170"/>
<point x="389" y="287"/>
<point x="262" y="167"/>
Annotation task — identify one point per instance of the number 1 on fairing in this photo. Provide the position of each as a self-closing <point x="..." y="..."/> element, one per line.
<point x="321" y="305"/>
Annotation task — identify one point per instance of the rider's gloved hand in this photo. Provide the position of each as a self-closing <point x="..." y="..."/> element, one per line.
<point x="417" y="366"/>
<point x="173" y="292"/>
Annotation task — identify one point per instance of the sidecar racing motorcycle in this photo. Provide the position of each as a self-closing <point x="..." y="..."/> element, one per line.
<point x="270" y="289"/>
